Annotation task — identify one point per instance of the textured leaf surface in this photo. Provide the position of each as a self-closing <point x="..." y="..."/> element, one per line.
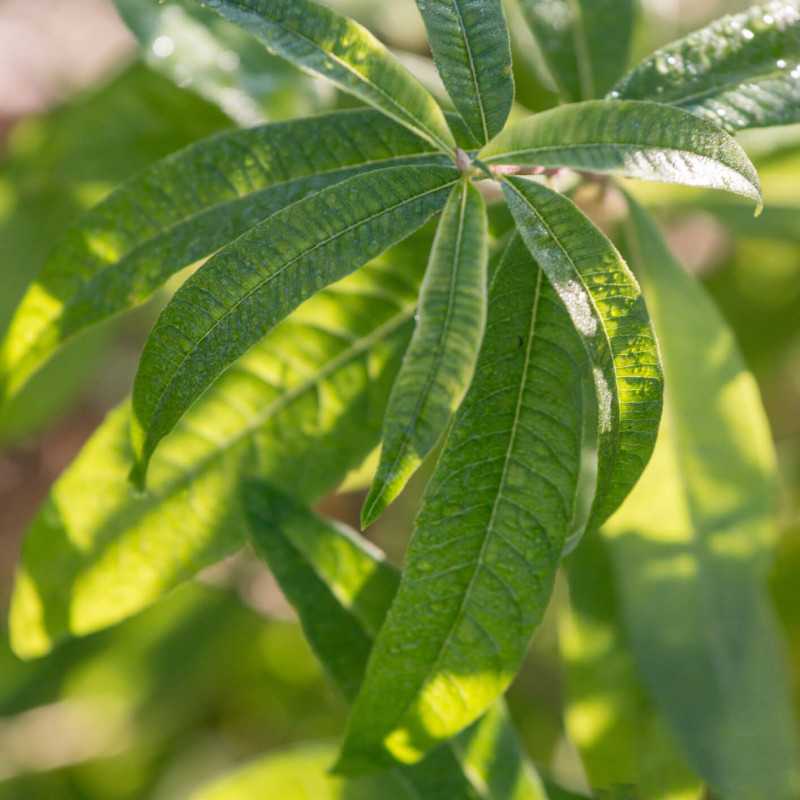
<point x="471" y="48"/>
<point x="182" y="210"/>
<point x="742" y="71"/>
<point x="489" y="535"/>
<point x="692" y="546"/>
<point x="634" y="139"/>
<point x="301" y="409"/>
<point x="323" y="43"/>
<point x="249" y="286"/>
<point x="585" y="43"/>
<point x="441" y="358"/>
<point x="342" y="588"/>
<point x="608" y="311"/>
<point x="608" y="714"/>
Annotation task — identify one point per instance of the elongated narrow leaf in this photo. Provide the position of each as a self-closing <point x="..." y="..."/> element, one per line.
<point x="692" y="546"/>
<point x="341" y="588"/>
<point x="228" y="305"/>
<point x="629" y="138"/>
<point x="489" y="535"/>
<point x="609" y="717"/>
<point x="301" y="409"/>
<point x="608" y="311"/>
<point x="441" y="359"/>
<point x="323" y="43"/>
<point x="472" y="51"/>
<point x="742" y="71"/>
<point x="585" y="43"/>
<point x="182" y="210"/>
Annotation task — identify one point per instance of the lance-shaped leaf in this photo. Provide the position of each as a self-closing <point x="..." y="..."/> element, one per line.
<point x="489" y="535"/>
<point x="470" y="44"/>
<point x="342" y="588"/>
<point x="441" y="358"/>
<point x="323" y="43"/>
<point x="249" y="286"/>
<point x="608" y="311"/>
<point x="585" y="43"/>
<point x="182" y="210"/>
<point x="634" y="139"/>
<point x="692" y="546"/>
<point x="742" y="71"/>
<point x="301" y="409"/>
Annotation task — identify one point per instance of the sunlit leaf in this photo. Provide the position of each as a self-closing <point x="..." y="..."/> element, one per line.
<point x="634" y="139"/>
<point x="301" y="409"/>
<point x="608" y="312"/>
<point x="470" y="46"/>
<point x="489" y="535"/>
<point x="441" y="358"/>
<point x="342" y="588"/>
<point x="249" y="286"/>
<point x="585" y="43"/>
<point x="608" y="714"/>
<point x="181" y="210"/>
<point x="693" y="543"/>
<point x="323" y="43"/>
<point x="742" y="71"/>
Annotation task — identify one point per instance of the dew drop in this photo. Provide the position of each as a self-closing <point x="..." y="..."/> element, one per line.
<point x="614" y="95"/>
<point x="163" y="47"/>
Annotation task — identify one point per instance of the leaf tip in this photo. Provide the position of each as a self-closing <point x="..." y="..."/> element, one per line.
<point x="374" y="504"/>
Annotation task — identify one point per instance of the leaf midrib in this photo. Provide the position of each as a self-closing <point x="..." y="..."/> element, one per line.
<point x="267" y="280"/>
<point x="472" y="70"/>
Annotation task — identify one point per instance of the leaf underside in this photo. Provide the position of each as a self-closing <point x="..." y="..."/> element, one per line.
<point x="249" y="286"/>
<point x="489" y="535"/>
<point x="741" y="71"/>
<point x="441" y="358"/>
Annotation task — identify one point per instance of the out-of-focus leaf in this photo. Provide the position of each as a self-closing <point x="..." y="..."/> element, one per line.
<point x="608" y="312"/>
<point x="341" y="588"/>
<point x="692" y="545"/>
<point x="471" y="48"/>
<point x="301" y="409"/>
<point x="253" y="283"/>
<point x="323" y="43"/>
<point x="741" y="71"/>
<point x="53" y="168"/>
<point x="634" y="139"/>
<point x="489" y="535"/>
<point x="608" y="715"/>
<point x="585" y="43"/>
<point x="440" y="361"/>
<point x="181" y="210"/>
<point x="204" y="53"/>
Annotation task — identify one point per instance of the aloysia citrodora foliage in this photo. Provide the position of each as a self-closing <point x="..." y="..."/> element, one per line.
<point x="351" y="295"/>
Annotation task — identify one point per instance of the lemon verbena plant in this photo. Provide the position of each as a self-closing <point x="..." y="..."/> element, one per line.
<point x="353" y="292"/>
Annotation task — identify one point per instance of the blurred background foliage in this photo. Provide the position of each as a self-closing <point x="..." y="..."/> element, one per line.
<point x="219" y="672"/>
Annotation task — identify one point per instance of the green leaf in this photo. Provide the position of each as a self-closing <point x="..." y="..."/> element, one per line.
<point x="249" y="286"/>
<point x="195" y="47"/>
<point x="608" y="716"/>
<point x="180" y="211"/>
<point x="608" y="311"/>
<point x="301" y="409"/>
<point x="489" y="535"/>
<point x="440" y="361"/>
<point x="325" y="44"/>
<point x="585" y="43"/>
<point x="739" y="72"/>
<point x="471" y="48"/>
<point x="633" y="139"/>
<point x="693" y="543"/>
<point x="342" y="588"/>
